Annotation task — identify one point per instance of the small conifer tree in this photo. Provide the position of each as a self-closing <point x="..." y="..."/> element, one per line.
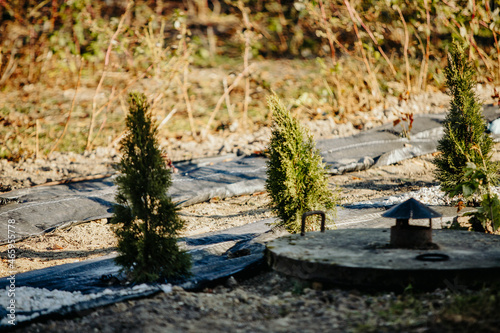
<point x="465" y="139"/>
<point x="297" y="180"/>
<point x="147" y="241"/>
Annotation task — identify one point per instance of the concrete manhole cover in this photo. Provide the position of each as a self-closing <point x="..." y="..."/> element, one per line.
<point x="364" y="258"/>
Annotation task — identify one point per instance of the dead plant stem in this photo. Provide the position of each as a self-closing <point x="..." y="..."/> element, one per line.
<point x="372" y="37"/>
<point x="479" y="51"/>
<point x="228" y="100"/>
<point x="498" y="53"/>
<point x="10" y="67"/>
<point x="375" y="85"/>
<point x="428" y="44"/>
<point x="103" y="122"/>
<point x="328" y="32"/>
<point x="405" y="51"/>
<point x="184" y="85"/>
<point x="167" y="118"/>
<point x="73" y="102"/>
<point x="37" y="154"/>
<point x="106" y="63"/>
<point x="283" y="42"/>
<point x="222" y="98"/>
<point x="246" y="57"/>
<point x="492" y="28"/>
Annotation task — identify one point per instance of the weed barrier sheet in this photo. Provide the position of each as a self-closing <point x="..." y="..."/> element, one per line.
<point x="41" y="209"/>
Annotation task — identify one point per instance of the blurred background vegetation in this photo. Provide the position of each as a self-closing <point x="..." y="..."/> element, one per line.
<point x="66" y="66"/>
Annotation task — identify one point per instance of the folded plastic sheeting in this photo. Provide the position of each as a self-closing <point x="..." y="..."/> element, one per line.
<point x="381" y="146"/>
<point x="68" y="289"/>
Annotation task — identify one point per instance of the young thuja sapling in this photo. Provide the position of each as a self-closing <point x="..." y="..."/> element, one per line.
<point x="297" y="180"/>
<point x="147" y="236"/>
<point x="464" y="167"/>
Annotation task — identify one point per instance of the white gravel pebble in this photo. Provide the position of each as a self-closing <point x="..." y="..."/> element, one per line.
<point x="40" y="301"/>
<point x="432" y="196"/>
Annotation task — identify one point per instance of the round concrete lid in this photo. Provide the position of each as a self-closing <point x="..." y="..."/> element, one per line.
<point x="363" y="258"/>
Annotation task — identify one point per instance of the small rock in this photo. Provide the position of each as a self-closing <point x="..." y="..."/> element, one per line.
<point x="177" y="289"/>
<point x="231" y="282"/>
<point x="241" y="295"/>
<point x="166" y="288"/>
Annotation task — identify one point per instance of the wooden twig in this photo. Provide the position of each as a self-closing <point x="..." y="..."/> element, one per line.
<point x="69" y="113"/>
<point x="75" y="179"/>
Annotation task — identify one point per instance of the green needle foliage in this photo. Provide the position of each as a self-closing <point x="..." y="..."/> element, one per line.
<point x="465" y="140"/>
<point x="465" y="167"/>
<point x="147" y="241"/>
<point x="296" y="177"/>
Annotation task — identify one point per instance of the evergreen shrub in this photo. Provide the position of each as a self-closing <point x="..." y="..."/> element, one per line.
<point x="464" y="167"/>
<point x="147" y="239"/>
<point x="465" y="139"/>
<point x="297" y="180"/>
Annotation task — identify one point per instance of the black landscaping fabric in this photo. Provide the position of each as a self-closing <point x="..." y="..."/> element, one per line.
<point x="215" y="255"/>
<point x="211" y="254"/>
<point x="43" y="208"/>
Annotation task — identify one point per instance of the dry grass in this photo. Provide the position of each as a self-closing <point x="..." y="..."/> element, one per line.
<point x="67" y="67"/>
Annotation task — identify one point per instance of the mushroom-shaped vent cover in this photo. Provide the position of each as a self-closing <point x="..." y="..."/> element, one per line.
<point x="411" y="209"/>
